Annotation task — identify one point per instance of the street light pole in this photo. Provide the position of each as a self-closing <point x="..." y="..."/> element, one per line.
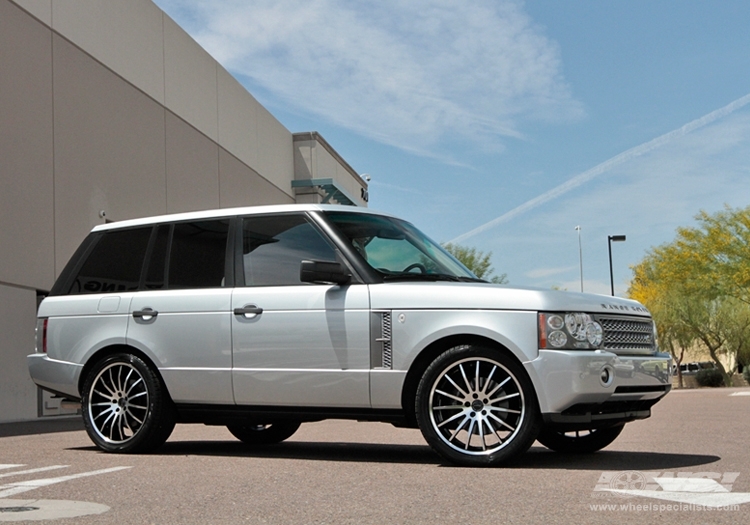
<point x="580" y="255"/>
<point x="610" y="240"/>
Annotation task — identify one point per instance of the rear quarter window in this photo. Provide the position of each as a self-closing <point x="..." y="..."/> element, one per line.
<point x="181" y="255"/>
<point x="114" y="264"/>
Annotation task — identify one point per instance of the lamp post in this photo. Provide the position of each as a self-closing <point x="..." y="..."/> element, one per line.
<point x="610" y="240"/>
<point x="580" y="255"/>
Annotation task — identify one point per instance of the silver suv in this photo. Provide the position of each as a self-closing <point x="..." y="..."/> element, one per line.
<point x="263" y="318"/>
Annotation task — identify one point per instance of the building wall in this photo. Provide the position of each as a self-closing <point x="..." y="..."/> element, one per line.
<point x="17" y="314"/>
<point x="314" y="158"/>
<point x="111" y="109"/>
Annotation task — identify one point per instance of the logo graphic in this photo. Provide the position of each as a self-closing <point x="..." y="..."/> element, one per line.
<point x="628" y="480"/>
<point x="697" y="489"/>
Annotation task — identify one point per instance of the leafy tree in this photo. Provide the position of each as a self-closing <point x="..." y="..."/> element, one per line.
<point x="698" y="288"/>
<point x="665" y="304"/>
<point x="479" y="263"/>
<point x="714" y="258"/>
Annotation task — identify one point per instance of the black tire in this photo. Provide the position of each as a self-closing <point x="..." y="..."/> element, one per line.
<point x="125" y="406"/>
<point x="264" y="433"/>
<point x="476" y="407"/>
<point x="579" y="442"/>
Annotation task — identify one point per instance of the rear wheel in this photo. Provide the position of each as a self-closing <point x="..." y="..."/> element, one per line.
<point x="125" y="406"/>
<point x="264" y="433"/>
<point x="579" y="441"/>
<point x="476" y="407"/>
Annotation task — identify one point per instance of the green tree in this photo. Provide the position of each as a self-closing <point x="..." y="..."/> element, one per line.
<point x="665" y="304"/>
<point x="479" y="263"/>
<point x="698" y="288"/>
<point x="713" y="259"/>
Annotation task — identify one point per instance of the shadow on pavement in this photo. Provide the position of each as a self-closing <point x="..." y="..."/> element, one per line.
<point x="313" y="451"/>
<point x="41" y="426"/>
<point x="536" y="458"/>
<point x="540" y="457"/>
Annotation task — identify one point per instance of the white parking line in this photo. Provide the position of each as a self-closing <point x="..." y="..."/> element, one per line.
<point x="12" y="489"/>
<point x="740" y="394"/>
<point x="32" y="471"/>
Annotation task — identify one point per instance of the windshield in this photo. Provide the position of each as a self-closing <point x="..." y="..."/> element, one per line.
<point x="397" y="250"/>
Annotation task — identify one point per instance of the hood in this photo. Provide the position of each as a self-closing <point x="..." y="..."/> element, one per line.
<point x="486" y="296"/>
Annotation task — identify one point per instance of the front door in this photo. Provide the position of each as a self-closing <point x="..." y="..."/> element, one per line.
<point x="294" y="343"/>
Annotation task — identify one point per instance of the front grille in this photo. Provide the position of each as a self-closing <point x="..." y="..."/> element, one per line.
<point x="627" y="335"/>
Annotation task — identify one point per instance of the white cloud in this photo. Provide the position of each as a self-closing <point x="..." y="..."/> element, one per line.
<point x="645" y="198"/>
<point x="617" y="160"/>
<point x="409" y="74"/>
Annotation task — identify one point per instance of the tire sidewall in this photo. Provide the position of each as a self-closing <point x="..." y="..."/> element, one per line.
<point x="276" y="432"/>
<point x="596" y="440"/>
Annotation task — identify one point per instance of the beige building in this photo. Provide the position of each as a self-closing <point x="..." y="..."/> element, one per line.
<point x="110" y="111"/>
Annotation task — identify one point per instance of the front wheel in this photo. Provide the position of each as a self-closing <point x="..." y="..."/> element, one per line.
<point x="579" y="441"/>
<point x="476" y="407"/>
<point x="125" y="406"/>
<point x="264" y="433"/>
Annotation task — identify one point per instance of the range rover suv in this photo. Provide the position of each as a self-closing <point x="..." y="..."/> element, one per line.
<point x="264" y="318"/>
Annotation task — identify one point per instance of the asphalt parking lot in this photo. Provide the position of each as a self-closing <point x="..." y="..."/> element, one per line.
<point x="688" y="463"/>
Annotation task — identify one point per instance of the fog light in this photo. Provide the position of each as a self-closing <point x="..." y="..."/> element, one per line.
<point x="606" y="376"/>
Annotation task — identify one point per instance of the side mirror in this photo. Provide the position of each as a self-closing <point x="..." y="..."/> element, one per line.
<point x="324" y="272"/>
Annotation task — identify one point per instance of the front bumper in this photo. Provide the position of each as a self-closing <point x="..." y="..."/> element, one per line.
<point x="60" y="377"/>
<point x="585" y="389"/>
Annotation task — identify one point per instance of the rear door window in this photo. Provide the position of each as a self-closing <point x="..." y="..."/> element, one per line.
<point x="198" y="254"/>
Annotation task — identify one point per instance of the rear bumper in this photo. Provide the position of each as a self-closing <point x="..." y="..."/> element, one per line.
<point x="60" y="377"/>
<point x="586" y="389"/>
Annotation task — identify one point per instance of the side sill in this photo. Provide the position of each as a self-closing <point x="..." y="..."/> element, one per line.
<point x="227" y="414"/>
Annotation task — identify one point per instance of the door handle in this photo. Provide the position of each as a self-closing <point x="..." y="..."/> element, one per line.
<point x="248" y="311"/>
<point x="147" y="314"/>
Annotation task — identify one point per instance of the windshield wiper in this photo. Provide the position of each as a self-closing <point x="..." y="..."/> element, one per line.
<point x="472" y="280"/>
<point x="422" y="277"/>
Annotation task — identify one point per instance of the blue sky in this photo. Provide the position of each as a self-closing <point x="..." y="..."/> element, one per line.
<point x="505" y="124"/>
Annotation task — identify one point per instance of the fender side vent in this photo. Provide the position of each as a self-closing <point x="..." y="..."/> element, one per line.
<point x="381" y="348"/>
<point x="386" y="339"/>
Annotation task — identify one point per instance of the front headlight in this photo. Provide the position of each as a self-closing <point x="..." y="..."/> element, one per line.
<point x="569" y="331"/>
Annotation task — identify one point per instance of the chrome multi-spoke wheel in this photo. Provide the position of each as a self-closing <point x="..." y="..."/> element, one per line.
<point x="124" y="406"/>
<point x="475" y="406"/>
<point x="579" y="441"/>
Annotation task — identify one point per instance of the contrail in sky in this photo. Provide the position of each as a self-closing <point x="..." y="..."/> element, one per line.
<point x="607" y="165"/>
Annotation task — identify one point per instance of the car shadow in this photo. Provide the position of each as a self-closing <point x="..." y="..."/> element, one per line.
<point x="537" y="457"/>
<point x="306" y="450"/>
<point x="540" y="457"/>
<point x="42" y="426"/>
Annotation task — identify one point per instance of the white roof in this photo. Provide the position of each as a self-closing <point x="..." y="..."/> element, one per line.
<point x="231" y="212"/>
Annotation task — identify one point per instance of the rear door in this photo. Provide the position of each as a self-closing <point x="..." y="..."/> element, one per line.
<point x="181" y="318"/>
